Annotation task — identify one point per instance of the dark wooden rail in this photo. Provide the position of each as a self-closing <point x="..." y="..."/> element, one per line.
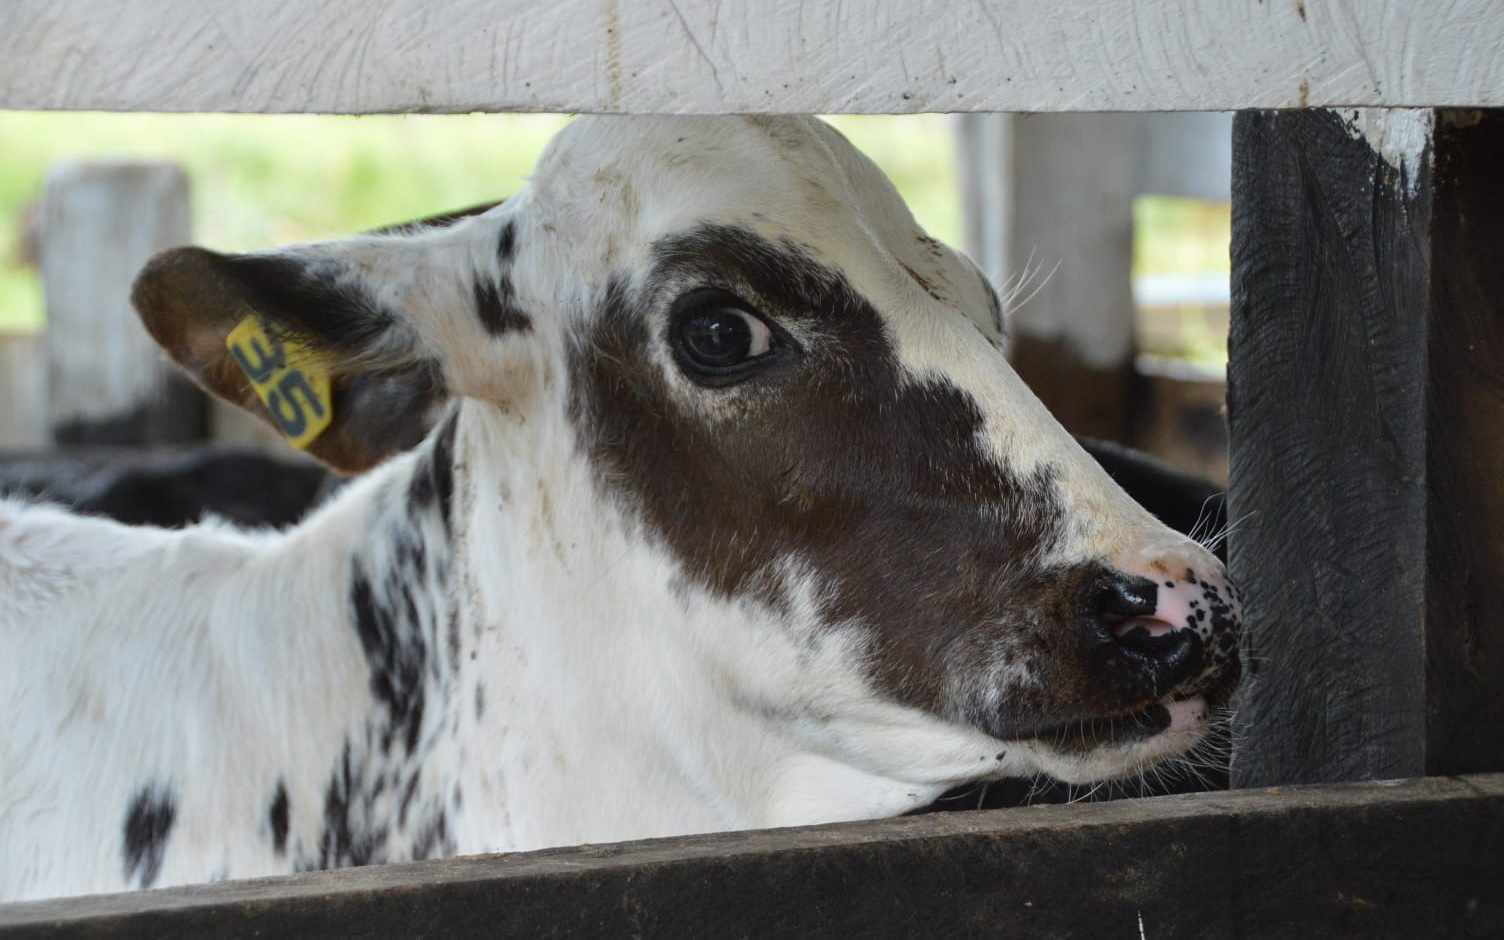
<point x="1412" y="859"/>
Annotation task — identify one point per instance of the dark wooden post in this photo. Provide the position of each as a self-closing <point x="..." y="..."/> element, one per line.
<point x="1366" y="404"/>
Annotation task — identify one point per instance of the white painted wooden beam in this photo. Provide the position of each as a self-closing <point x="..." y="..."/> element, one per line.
<point x="704" y="56"/>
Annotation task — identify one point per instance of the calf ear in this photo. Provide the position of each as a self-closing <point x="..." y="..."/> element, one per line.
<point x="384" y="390"/>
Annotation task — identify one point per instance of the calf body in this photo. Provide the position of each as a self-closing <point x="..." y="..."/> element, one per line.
<point x="727" y="512"/>
<point x="166" y="689"/>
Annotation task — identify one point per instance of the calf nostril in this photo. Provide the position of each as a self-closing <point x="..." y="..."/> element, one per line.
<point x="1152" y="664"/>
<point x="1128" y="609"/>
<point x="1121" y="598"/>
<point x="1155" y="639"/>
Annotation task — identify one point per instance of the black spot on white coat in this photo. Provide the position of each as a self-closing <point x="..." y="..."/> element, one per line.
<point x="395" y="654"/>
<point x="432" y="485"/>
<point x="400" y="605"/>
<point x="277" y="817"/>
<point x="496" y="298"/>
<point x="148" y="826"/>
<point x="349" y="837"/>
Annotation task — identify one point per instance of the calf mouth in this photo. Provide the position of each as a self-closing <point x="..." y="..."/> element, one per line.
<point x="1086" y="735"/>
<point x="1139" y="710"/>
<point x="1183" y="713"/>
<point x="1187" y="711"/>
<point x="1163" y="734"/>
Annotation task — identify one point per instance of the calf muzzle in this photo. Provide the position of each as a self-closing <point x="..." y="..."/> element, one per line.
<point x="1168" y="639"/>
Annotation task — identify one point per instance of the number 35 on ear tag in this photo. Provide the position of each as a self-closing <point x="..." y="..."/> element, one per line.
<point x="287" y="378"/>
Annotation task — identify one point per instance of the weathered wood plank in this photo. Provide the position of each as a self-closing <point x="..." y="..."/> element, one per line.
<point x="702" y="56"/>
<point x="1298" y="862"/>
<point x="108" y="383"/>
<point x="1326" y="411"/>
<point x="1366" y="404"/>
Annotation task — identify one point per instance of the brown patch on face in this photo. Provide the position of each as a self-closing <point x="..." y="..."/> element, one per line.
<point x="875" y="482"/>
<point x="190" y="299"/>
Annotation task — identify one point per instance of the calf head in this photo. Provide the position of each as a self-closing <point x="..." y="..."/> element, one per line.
<point x="801" y="401"/>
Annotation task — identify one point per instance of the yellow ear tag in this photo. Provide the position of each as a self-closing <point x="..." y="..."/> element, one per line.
<point x="288" y="379"/>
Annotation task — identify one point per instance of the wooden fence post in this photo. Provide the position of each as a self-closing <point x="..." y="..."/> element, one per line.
<point x="1060" y="236"/>
<point x="1187" y="153"/>
<point x="107" y="382"/>
<point x="1366" y="401"/>
<point x="1049" y="214"/>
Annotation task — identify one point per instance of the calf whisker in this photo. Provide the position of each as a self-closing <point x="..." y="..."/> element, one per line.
<point x="1012" y="301"/>
<point x="1212" y="542"/>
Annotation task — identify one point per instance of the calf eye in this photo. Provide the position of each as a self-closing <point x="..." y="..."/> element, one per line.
<point x="717" y="339"/>
<point x="724" y="337"/>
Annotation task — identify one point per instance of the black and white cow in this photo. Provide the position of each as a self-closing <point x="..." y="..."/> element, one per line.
<point x="171" y="488"/>
<point x="731" y="514"/>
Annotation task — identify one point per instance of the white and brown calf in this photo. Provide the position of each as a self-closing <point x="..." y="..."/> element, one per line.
<point x="703" y="499"/>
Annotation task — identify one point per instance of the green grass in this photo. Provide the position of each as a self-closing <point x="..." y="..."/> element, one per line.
<point x="1181" y="236"/>
<point x="264" y="180"/>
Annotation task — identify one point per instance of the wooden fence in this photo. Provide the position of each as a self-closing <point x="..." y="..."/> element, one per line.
<point x="1401" y="860"/>
<point x="1366" y="400"/>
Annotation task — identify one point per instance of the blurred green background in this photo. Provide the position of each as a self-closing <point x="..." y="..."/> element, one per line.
<point x="264" y="180"/>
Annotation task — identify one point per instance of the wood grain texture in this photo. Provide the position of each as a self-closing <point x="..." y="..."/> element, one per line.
<point x="1326" y="409"/>
<point x="1367" y="415"/>
<point x="704" y="56"/>
<point x="1299" y="862"/>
